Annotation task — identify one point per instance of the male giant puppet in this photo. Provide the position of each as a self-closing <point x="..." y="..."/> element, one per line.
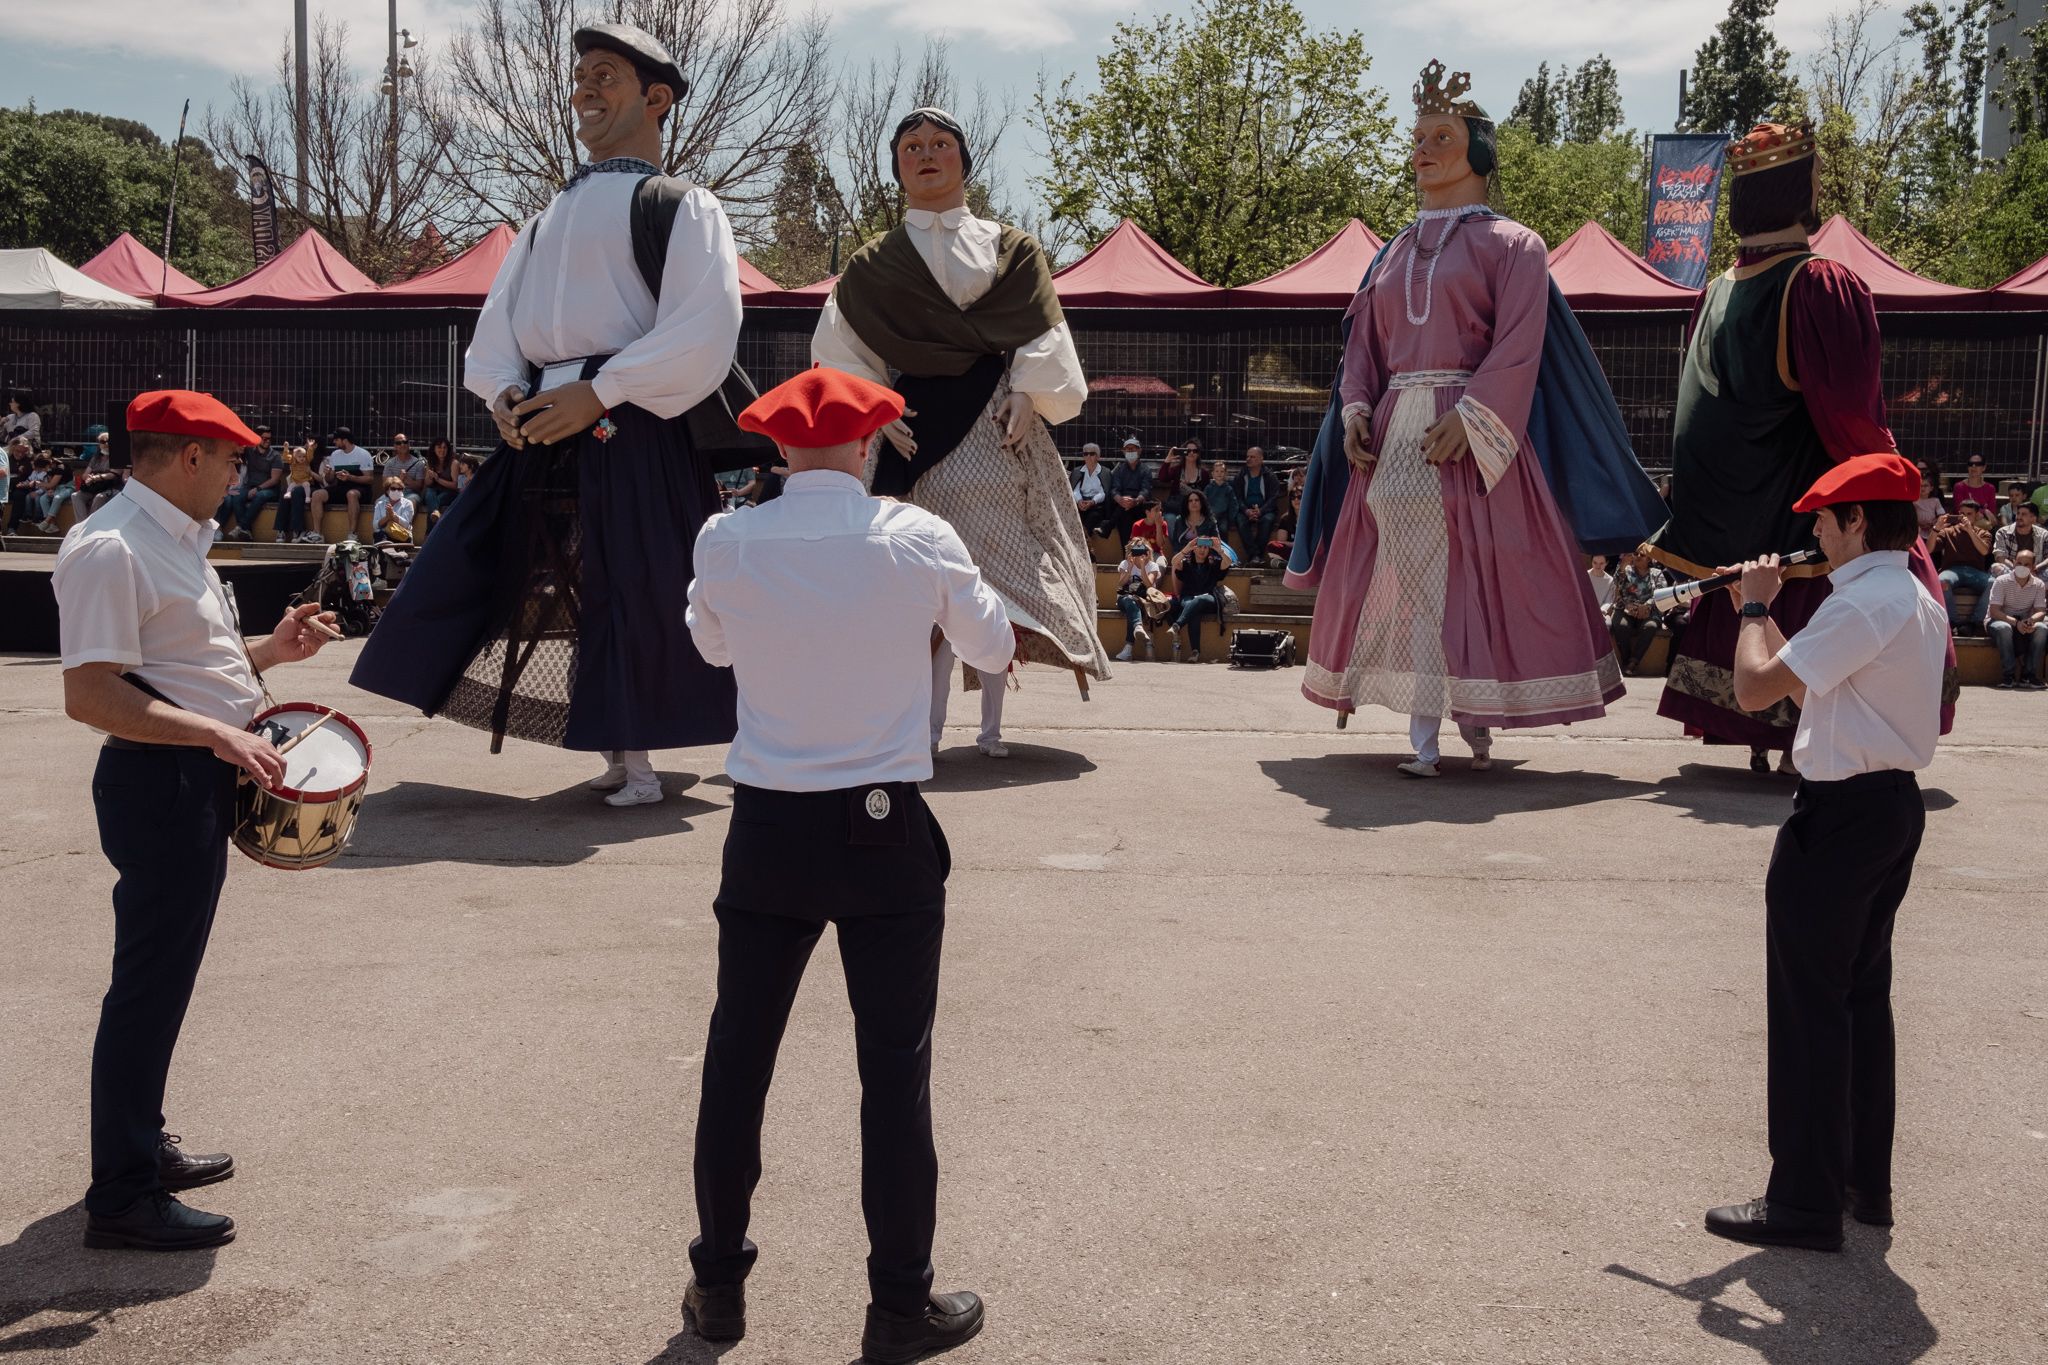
<point x="962" y="312"/>
<point x="548" y="603"/>
<point x="1780" y="382"/>
<point x="1478" y="442"/>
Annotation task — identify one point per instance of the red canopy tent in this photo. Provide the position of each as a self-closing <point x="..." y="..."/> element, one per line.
<point x="1325" y="278"/>
<point x="1597" y="273"/>
<point x="808" y="296"/>
<point x="132" y="268"/>
<point x="2027" y="291"/>
<point x="1895" y="288"/>
<point x="460" y="283"/>
<point x="752" y="281"/>
<point x="1127" y="269"/>
<point x="307" y="273"/>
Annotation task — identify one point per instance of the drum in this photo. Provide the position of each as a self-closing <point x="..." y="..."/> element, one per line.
<point x="306" y="819"/>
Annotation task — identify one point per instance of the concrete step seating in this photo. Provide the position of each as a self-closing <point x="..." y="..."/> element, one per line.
<point x="333" y="524"/>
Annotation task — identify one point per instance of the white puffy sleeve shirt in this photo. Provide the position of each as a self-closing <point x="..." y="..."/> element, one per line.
<point x="569" y="288"/>
<point x="960" y="251"/>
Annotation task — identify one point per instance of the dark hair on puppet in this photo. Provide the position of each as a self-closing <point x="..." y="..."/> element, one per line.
<point x="1484" y="152"/>
<point x="938" y="118"/>
<point x="1774" y="199"/>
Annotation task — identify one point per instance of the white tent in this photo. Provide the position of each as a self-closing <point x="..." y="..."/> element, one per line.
<point x="31" y="277"/>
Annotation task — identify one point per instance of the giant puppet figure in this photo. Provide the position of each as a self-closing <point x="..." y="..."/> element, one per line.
<point x="548" y="602"/>
<point x="1780" y="382"/>
<point x="958" y="314"/>
<point x="1472" y="452"/>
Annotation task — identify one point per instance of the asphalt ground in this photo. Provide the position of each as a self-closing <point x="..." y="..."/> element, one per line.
<point x="1249" y="1050"/>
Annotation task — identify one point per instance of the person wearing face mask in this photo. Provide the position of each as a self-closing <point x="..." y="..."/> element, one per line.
<point x="2017" y="604"/>
<point x="1866" y="675"/>
<point x="1129" y="487"/>
<point x="547" y="603"/>
<point x="1431" y="459"/>
<point x="959" y="315"/>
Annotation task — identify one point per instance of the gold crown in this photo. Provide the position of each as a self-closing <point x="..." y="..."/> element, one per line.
<point x="1434" y="97"/>
<point x="1770" y="145"/>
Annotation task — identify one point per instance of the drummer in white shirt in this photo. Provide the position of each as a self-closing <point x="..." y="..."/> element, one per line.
<point x="153" y="658"/>
<point x="1866" y="673"/>
<point x="826" y="604"/>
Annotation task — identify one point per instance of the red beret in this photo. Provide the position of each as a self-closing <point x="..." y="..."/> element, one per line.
<point x="180" y="412"/>
<point x="1889" y="477"/>
<point x="822" y="407"/>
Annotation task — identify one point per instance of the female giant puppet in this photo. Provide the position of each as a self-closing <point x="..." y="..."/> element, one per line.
<point x="962" y="312"/>
<point x="1479" y="442"/>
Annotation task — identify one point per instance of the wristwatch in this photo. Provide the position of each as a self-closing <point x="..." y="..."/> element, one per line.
<point x="1753" y="610"/>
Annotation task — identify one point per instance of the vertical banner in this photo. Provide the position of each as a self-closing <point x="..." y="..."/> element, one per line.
<point x="262" y="210"/>
<point x="1685" y="182"/>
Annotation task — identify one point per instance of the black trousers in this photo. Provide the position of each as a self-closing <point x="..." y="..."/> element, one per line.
<point x="793" y="863"/>
<point x="164" y="816"/>
<point x="1838" y="874"/>
<point x="1632" y="636"/>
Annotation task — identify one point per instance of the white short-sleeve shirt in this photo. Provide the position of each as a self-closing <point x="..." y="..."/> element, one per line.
<point x="1871" y="659"/>
<point x="134" y="588"/>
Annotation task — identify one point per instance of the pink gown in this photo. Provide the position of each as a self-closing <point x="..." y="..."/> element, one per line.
<point x="1455" y="590"/>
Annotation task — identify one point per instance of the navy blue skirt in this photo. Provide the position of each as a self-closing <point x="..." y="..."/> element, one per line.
<point x="548" y="602"/>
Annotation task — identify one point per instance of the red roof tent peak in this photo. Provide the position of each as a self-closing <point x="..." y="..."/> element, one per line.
<point x="309" y="272"/>
<point x="460" y="283"/>
<point x="2027" y="290"/>
<point x="132" y="268"/>
<point x="807" y="296"/>
<point x="1325" y="278"/>
<point x="1894" y="288"/>
<point x="1127" y="269"/>
<point x="754" y="281"/>
<point x="1596" y="272"/>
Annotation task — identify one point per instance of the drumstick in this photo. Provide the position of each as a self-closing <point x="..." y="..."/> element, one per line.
<point x="293" y="742"/>
<point x="316" y="623"/>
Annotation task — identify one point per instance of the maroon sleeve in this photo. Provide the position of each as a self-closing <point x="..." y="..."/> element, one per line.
<point x="1831" y="339"/>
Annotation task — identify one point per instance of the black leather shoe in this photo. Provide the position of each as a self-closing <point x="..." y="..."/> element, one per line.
<point x="1873" y="1209"/>
<point x="897" y="1338"/>
<point x="158" y="1222"/>
<point x="182" y="1170"/>
<point x="1756" y="1224"/>
<point x="718" y="1312"/>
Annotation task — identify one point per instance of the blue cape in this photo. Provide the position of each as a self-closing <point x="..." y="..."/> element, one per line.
<point x="1574" y="425"/>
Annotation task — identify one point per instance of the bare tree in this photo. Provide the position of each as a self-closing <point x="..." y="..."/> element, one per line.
<point x="376" y="191"/>
<point x="1867" y="103"/>
<point x="760" y="87"/>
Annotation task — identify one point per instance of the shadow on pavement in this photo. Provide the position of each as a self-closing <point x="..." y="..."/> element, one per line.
<point x="425" y="822"/>
<point x="46" y="1273"/>
<point x="1830" y="1309"/>
<point x="963" y="768"/>
<point x="687" y="1348"/>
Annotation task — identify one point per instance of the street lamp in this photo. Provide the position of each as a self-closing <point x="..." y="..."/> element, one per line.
<point x="396" y="69"/>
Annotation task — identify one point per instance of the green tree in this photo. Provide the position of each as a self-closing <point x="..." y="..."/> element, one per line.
<point x="1539" y="109"/>
<point x="1238" y="137"/>
<point x="1556" y="190"/>
<point x="1740" y="75"/>
<point x="1582" y="105"/>
<point x="800" y="232"/>
<point x="78" y="180"/>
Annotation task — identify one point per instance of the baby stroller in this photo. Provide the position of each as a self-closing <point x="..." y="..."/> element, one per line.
<point x="347" y="587"/>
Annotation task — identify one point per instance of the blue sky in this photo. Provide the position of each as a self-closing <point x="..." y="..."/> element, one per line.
<point x="141" y="58"/>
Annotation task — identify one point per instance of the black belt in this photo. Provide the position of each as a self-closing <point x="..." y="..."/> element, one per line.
<point x="116" y="742"/>
<point x="1884" y="779"/>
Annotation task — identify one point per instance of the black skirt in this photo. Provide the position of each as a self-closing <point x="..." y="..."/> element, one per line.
<point x="548" y="602"/>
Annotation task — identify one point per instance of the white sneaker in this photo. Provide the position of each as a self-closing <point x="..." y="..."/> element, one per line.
<point x="1482" y="760"/>
<point x="1144" y="634"/>
<point x="1415" y="767"/>
<point x="635" y="794"/>
<point x="992" y="748"/>
<point x="610" y="780"/>
<point x="1122" y="656"/>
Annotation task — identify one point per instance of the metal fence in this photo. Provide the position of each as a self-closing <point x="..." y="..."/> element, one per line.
<point x="1954" y="384"/>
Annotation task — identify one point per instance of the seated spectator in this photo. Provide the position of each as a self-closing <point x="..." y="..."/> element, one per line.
<point x="1195" y="521"/>
<point x="1091" y="493"/>
<point x="1222" y="496"/>
<point x="764" y="486"/>
<point x="1129" y="488"/>
<point x="465" y="470"/>
<point x="2019" y="605"/>
<point x="1257" y="494"/>
<point x="21" y="420"/>
<point x="294" y="508"/>
<point x="1180" y="475"/>
<point x="1603" y="582"/>
<point x="1961" y="546"/>
<point x="1975" y="488"/>
<point x="349" y="471"/>
<point x="410" y="468"/>
<point x="2024" y="534"/>
<point x="2015" y="498"/>
<point x="97" y="482"/>
<point x="437" y="489"/>
<point x="1632" y="622"/>
<point x="1280" y="541"/>
<point x="21" y="461"/>
<point x="261" y="480"/>
<point x="1137" y="578"/>
<point x="391" y="519"/>
<point x="1929" y="506"/>
<point x="1152" y="528"/>
<point x="1198" y="573"/>
<point x="49" y="489"/>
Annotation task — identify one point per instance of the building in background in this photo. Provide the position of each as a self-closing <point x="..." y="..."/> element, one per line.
<point x="2010" y="33"/>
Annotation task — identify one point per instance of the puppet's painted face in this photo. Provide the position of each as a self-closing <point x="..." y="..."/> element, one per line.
<point x="610" y="104"/>
<point x="1442" y="152"/>
<point x="928" y="163"/>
